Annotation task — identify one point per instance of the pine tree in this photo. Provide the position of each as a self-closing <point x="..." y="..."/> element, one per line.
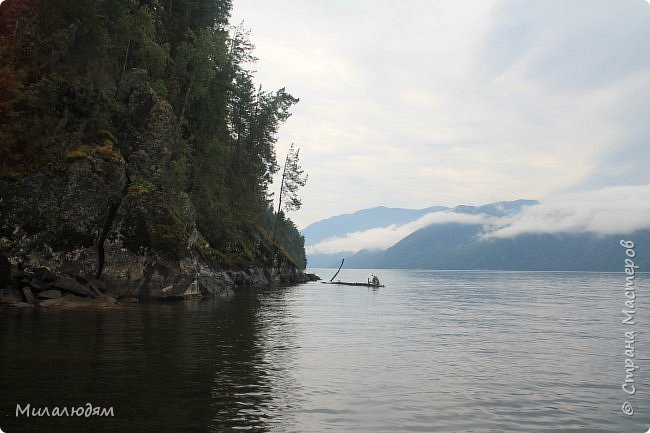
<point x="293" y="178"/>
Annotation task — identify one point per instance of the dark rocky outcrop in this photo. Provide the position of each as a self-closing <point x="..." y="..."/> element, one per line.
<point x="5" y="271"/>
<point x="74" y="287"/>
<point x="50" y="294"/>
<point x="105" y="222"/>
<point x="29" y="296"/>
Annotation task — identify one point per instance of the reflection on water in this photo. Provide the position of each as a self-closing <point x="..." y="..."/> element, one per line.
<point x="196" y="366"/>
<point x="432" y="351"/>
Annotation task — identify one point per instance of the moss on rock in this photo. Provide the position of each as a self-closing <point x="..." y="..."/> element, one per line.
<point x="140" y="186"/>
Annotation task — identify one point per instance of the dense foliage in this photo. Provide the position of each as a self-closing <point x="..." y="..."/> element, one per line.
<point x="62" y="65"/>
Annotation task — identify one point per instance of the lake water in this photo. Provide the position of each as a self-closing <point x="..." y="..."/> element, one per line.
<point x="430" y="352"/>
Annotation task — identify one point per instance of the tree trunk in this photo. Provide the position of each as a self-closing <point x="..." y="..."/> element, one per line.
<point x="186" y="99"/>
<point x="277" y="215"/>
<point x="126" y="59"/>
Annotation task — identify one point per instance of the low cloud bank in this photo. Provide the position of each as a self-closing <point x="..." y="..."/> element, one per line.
<point x="384" y="237"/>
<point x="613" y="210"/>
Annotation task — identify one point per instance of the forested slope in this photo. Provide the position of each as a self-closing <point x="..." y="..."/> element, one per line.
<point x="133" y="132"/>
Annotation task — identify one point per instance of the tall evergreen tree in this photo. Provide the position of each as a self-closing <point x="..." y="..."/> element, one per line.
<point x="293" y="178"/>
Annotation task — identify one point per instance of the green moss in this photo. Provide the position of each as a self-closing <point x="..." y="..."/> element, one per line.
<point x="83" y="151"/>
<point x="141" y="186"/>
<point x="105" y="135"/>
<point x="104" y="150"/>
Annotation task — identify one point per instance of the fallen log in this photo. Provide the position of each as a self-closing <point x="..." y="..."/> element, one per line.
<point x="345" y="283"/>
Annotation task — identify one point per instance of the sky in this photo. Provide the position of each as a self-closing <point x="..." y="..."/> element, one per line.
<point x="420" y="103"/>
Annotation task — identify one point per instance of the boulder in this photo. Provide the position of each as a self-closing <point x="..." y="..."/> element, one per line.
<point x="213" y="283"/>
<point x="29" y="296"/>
<point x="237" y="277"/>
<point x="97" y="285"/>
<point x="311" y="277"/>
<point x="70" y="301"/>
<point x="19" y="274"/>
<point x="9" y="295"/>
<point x="5" y="271"/>
<point x="134" y="79"/>
<point x="90" y="286"/>
<point x="44" y="274"/>
<point x="39" y="285"/>
<point x="257" y="277"/>
<point x="50" y="294"/>
<point x="23" y="304"/>
<point x="72" y="286"/>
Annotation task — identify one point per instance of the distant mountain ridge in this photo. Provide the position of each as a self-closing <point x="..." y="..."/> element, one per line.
<point x="382" y="216"/>
<point x="365" y="219"/>
<point x="458" y="246"/>
<point x="454" y="245"/>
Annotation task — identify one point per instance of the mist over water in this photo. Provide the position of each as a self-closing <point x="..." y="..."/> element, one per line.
<point x="430" y="352"/>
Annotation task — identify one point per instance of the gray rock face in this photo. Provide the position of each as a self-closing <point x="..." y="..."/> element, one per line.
<point x="135" y="79"/>
<point x="214" y="283"/>
<point x="153" y="138"/>
<point x="51" y="221"/>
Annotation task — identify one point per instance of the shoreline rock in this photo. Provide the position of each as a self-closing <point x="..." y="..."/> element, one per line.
<point x="25" y="288"/>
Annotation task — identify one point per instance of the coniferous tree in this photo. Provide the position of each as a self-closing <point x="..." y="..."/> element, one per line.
<point x="293" y="178"/>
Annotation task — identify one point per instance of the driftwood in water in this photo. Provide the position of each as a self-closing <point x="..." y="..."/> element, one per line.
<point x="337" y="272"/>
<point x="371" y="283"/>
<point x="345" y="283"/>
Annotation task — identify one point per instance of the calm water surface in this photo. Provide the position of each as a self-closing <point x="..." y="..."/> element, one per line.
<point x="430" y="352"/>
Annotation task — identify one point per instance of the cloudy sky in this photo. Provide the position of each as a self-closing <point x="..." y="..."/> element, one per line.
<point x="421" y="103"/>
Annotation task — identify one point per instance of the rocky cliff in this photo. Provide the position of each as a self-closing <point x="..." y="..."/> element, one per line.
<point x="104" y="219"/>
